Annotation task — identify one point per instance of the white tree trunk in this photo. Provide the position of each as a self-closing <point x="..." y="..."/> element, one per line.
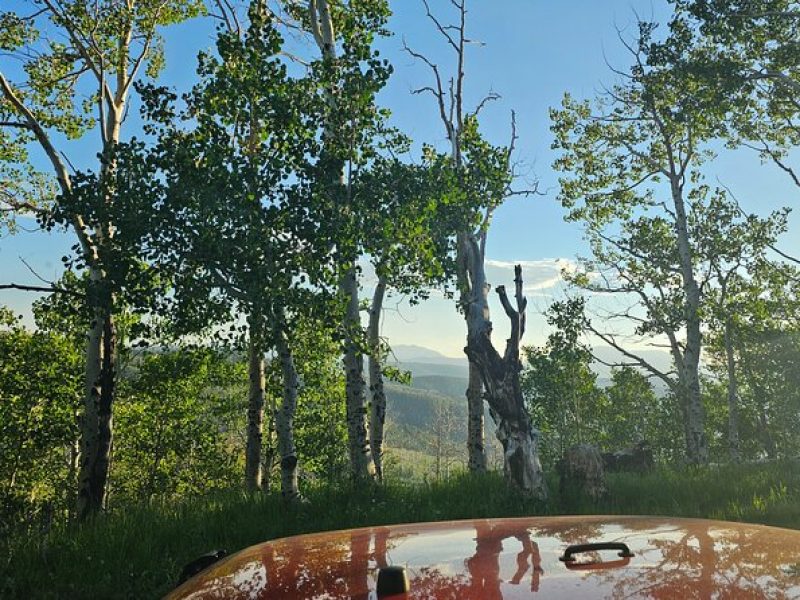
<point x="733" y="395"/>
<point x="255" y="416"/>
<point x="101" y="355"/>
<point x="377" y="415"/>
<point x="96" y="424"/>
<point x="324" y="34"/>
<point x="95" y="420"/>
<point x="284" y="420"/>
<point x="355" y="386"/>
<point x="768" y="441"/>
<point x="696" y="442"/>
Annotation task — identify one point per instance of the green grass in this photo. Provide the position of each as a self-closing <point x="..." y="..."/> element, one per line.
<point x="138" y="553"/>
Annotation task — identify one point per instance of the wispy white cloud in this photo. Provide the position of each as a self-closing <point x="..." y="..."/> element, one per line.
<point x="538" y="275"/>
<point x="544" y="284"/>
<point x="552" y="263"/>
<point x="541" y="277"/>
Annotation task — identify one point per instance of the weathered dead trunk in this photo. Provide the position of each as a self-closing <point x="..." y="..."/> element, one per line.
<point x="253" y="473"/>
<point x="475" y="304"/>
<point x="355" y="386"/>
<point x="733" y="394"/>
<point x="476" y="443"/>
<point x="696" y="442"/>
<point x="96" y="421"/>
<point x="500" y="375"/>
<point x="377" y="414"/>
<point x="284" y="420"/>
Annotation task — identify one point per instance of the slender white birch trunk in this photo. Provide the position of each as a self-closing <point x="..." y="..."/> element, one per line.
<point x="89" y="498"/>
<point x="696" y="442"/>
<point x="255" y="415"/>
<point x="378" y="394"/>
<point x="284" y="420"/>
<point x="733" y="394"/>
<point x="355" y="386"/>
<point x="101" y="358"/>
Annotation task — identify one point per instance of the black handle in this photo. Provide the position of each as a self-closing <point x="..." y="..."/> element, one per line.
<point x="624" y="551"/>
<point x="392" y="580"/>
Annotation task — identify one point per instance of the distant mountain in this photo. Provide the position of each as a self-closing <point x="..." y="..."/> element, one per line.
<point x="410" y="352"/>
<point x="439" y="380"/>
<point x="419" y="354"/>
<point x="447" y="375"/>
<point x="424" y="362"/>
<point x="449" y="385"/>
<point x="432" y="369"/>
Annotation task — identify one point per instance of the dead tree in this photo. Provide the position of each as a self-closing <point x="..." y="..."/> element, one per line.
<point x="500" y="376"/>
<point x="449" y="100"/>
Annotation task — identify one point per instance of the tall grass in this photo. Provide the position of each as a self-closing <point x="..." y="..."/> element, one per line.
<point x="138" y="553"/>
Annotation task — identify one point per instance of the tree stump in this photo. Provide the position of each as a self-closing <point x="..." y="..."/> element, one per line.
<point x="582" y="473"/>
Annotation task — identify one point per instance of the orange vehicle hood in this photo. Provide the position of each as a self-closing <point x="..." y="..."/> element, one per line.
<point x="494" y="559"/>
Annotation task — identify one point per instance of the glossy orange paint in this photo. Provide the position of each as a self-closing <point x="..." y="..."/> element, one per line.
<point x="495" y="559"/>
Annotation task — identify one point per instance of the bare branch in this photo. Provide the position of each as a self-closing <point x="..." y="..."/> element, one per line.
<point x="43" y="289"/>
<point x="438" y="92"/>
<point x="777" y="160"/>
<point x="17" y="124"/>
<point x="444" y="30"/>
<point x="229" y="16"/>
<point x="33" y="272"/>
<point x="490" y="97"/>
<point x="776" y="76"/>
<point x="636" y="360"/>
<point x="501" y="293"/>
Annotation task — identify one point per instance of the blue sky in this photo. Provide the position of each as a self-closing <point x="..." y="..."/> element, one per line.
<point x="534" y="51"/>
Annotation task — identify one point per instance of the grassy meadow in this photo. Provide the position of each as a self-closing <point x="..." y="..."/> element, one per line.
<point x="139" y="553"/>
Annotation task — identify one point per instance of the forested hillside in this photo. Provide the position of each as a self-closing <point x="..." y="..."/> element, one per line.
<point x="242" y="228"/>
